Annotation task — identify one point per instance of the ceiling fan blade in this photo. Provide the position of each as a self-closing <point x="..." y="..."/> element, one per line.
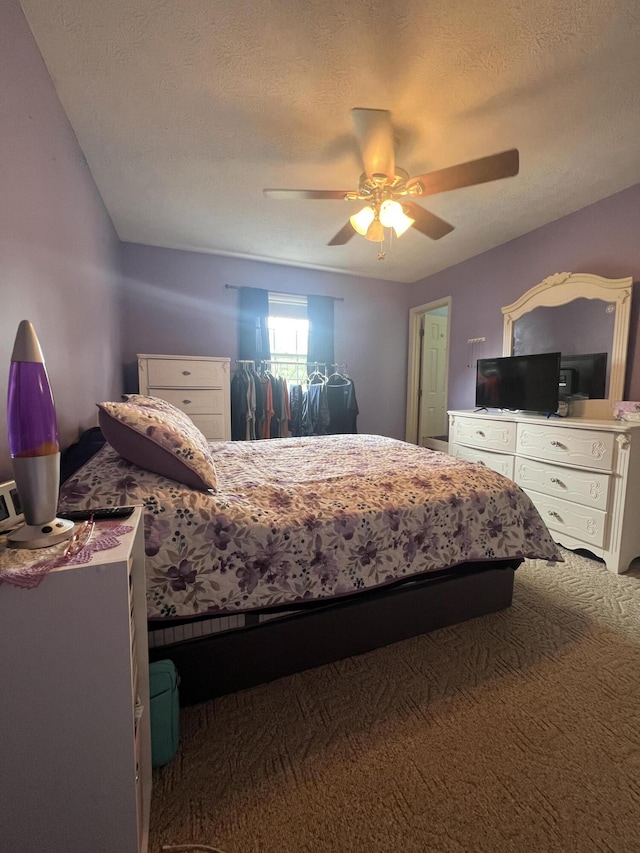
<point x="492" y="168"/>
<point x="294" y="194"/>
<point x="343" y="236"/>
<point x="425" y="221"/>
<point x="374" y="133"/>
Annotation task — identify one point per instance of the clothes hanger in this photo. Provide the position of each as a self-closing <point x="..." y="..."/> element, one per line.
<point x="340" y="374"/>
<point x="316" y="377"/>
<point x="345" y="380"/>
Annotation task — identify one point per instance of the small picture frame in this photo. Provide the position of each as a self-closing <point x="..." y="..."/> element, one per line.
<point x="626" y="410"/>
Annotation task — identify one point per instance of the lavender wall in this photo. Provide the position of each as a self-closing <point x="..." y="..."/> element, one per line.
<point x="600" y="239"/>
<point x="58" y="249"/>
<point x="59" y="259"/>
<point x="176" y="302"/>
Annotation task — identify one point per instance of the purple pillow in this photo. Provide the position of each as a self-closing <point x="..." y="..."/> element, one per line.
<point x="159" y="437"/>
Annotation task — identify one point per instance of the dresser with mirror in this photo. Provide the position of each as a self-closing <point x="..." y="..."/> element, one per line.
<point x="582" y="472"/>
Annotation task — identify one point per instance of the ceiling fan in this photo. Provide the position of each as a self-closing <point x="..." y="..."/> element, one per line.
<point x="388" y="190"/>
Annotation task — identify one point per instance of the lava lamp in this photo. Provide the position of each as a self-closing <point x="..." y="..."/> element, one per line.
<point x="34" y="445"/>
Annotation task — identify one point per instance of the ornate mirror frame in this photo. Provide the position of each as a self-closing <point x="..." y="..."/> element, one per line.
<point x="564" y="287"/>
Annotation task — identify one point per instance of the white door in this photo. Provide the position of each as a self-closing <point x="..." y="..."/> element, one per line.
<point x="427" y="369"/>
<point x="432" y="413"/>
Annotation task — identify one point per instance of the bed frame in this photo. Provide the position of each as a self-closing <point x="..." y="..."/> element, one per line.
<point x="323" y="632"/>
<point x="223" y="663"/>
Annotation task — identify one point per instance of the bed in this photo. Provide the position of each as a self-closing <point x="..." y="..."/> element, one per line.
<point x="359" y="540"/>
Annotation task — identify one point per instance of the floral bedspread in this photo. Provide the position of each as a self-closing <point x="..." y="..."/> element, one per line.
<point x="311" y="518"/>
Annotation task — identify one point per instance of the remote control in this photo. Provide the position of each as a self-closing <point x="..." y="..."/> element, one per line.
<point x="101" y="513"/>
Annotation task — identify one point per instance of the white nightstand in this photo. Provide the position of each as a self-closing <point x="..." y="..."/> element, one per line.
<point x="75" y="763"/>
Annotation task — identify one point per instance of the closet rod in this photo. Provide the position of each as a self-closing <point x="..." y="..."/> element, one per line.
<point x="342" y="364"/>
<point x="283" y="292"/>
<point x="275" y="361"/>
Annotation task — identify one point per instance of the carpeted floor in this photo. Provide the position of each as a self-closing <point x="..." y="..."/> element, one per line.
<point x="518" y="731"/>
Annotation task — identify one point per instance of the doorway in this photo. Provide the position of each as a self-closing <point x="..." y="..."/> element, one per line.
<point x="427" y="421"/>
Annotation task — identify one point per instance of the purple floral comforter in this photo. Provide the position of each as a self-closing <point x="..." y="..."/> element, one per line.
<point x="311" y="518"/>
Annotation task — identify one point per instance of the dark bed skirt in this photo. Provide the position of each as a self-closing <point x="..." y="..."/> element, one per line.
<point x="223" y="663"/>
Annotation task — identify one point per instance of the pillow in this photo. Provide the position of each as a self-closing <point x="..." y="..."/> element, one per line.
<point x="157" y="436"/>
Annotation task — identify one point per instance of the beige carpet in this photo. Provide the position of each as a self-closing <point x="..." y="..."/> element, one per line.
<point x="518" y="731"/>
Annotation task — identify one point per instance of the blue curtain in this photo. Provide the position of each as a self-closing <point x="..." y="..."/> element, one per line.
<point x="320" y="344"/>
<point x="253" y="334"/>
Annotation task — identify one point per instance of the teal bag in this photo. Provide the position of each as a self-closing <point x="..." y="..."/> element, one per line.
<point x="165" y="711"/>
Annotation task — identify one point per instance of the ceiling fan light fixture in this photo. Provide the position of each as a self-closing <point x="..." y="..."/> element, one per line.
<point x="402" y="224"/>
<point x="362" y="220"/>
<point x="389" y="211"/>
<point x="389" y="192"/>
<point x="375" y="232"/>
<point x="393" y="216"/>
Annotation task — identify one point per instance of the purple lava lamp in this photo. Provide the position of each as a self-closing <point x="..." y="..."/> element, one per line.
<point x="34" y="444"/>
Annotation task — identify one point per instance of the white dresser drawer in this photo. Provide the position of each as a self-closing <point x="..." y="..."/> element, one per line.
<point x="199" y="386"/>
<point x="184" y="373"/>
<point x="590" y="448"/>
<point x="496" y="461"/>
<point x="580" y="522"/>
<point x="485" y="434"/>
<point x="192" y="400"/>
<point x="590" y="488"/>
<point x="581" y="474"/>
<point x="211" y="426"/>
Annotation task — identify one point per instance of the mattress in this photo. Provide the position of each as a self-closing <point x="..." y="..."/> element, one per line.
<point x="313" y="518"/>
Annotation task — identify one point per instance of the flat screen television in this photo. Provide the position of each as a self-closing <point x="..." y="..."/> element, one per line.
<point x="526" y="382"/>
<point x="584" y="374"/>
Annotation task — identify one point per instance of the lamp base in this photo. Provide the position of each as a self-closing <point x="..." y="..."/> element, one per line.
<point x="41" y="535"/>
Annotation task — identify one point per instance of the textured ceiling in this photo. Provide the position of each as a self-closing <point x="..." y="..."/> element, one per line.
<point x="186" y="110"/>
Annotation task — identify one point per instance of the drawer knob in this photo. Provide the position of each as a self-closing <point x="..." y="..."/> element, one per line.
<point x="557" y="482"/>
<point x="186" y="373"/>
<point x="555" y="515"/>
<point x="480" y="433"/>
<point x="186" y="402"/>
<point x="558" y="444"/>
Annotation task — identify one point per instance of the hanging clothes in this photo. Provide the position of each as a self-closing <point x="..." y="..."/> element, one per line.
<point x="259" y="403"/>
<point x="315" y="410"/>
<point x="247" y="405"/>
<point x="267" y="391"/>
<point x="295" y="404"/>
<point x="286" y="412"/>
<point x="239" y="405"/>
<point x="343" y="406"/>
<point x="276" y="393"/>
<point x="251" y="408"/>
<point x="266" y="406"/>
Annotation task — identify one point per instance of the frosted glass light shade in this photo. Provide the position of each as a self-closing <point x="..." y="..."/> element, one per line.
<point x="375" y="232"/>
<point x="362" y="220"/>
<point x="389" y="212"/>
<point x="393" y="216"/>
<point x="403" y="224"/>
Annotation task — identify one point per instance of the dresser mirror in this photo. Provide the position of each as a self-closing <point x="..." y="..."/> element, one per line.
<point x="586" y="318"/>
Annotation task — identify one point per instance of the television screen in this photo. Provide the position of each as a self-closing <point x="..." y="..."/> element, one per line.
<point x="527" y="382"/>
<point x="584" y="374"/>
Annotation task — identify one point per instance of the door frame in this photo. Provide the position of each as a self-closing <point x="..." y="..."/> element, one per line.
<point x="413" y="368"/>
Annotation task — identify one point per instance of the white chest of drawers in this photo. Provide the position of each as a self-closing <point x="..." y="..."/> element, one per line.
<point x="198" y="386"/>
<point x="582" y="475"/>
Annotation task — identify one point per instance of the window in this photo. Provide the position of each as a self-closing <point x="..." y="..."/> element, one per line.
<point x="288" y="334"/>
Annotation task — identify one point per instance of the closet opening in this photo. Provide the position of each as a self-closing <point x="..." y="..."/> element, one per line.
<point x="427" y="420"/>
